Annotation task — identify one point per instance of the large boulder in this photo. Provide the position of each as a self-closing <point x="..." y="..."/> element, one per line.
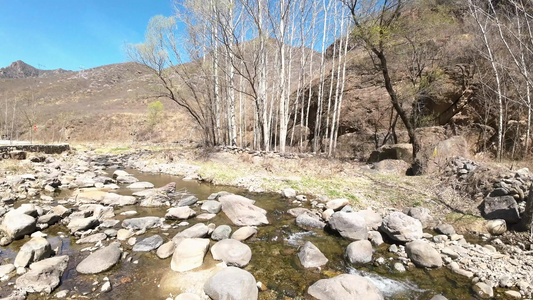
<point x="242" y="211"/>
<point x="422" y="214"/>
<point x="17" y="224"/>
<point x="231" y="283"/>
<point x="189" y="254"/>
<point x="311" y="257"/>
<point x="502" y="207"/>
<point x="232" y="252"/>
<point x="359" y="252"/>
<point x="372" y="219"/>
<point x="351" y="226"/>
<point x="423" y="255"/>
<point x="188" y="201"/>
<point x="35" y="249"/>
<point x="396" y="151"/>
<point x="346" y="287"/>
<point x="244" y="233"/>
<point x="402" y="228"/>
<point x="44" y="275"/>
<point x="101" y="260"/>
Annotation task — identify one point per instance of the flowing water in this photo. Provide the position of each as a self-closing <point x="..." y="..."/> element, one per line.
<point x="274" y="258"/>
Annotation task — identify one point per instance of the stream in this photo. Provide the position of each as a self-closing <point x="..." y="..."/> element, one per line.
<point x="142" y="275"/>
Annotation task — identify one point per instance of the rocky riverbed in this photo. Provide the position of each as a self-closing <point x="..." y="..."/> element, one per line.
<point x="88" y="226"/>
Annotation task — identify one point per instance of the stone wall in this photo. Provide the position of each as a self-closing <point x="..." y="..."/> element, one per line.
<point x="48" y="149"/>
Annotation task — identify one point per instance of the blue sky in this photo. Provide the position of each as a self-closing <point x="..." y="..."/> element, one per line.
<point x="73" y="34"/>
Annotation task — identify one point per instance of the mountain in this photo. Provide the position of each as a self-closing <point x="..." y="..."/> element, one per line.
<point x="20" y="69"/>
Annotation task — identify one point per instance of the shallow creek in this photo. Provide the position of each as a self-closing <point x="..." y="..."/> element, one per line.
<point x="274" y="257"/>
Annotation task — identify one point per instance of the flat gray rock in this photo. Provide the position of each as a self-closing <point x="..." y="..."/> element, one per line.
<point x="199" y="230"/>
<point x="188" y="201"/>
<point x="148" y="243"/>
<point x="101" y="260"/>
<point x="231" y="283"/>
<point x="92" y="239"/>
<point x="242" y="211"/>
<point x="243" y="233"/>
<point x="142" y="223"/>
<point x="35" y="249"/>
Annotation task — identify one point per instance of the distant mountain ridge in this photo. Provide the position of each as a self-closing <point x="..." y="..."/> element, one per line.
<point x="20" y="69"/>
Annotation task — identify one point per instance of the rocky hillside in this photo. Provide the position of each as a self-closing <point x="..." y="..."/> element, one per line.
<point x="20" y="69"/>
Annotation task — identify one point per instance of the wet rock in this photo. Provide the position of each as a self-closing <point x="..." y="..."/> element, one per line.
<point x="327" y="214"/>
<point x="359" y="252"/>
<point x="80" y="224"/>
<point x="345" y="286"/>
<point x="148" y="244"/>
<point x="141" y="185"/>
<point x="142" y="223"/>
<point x="101" y="260"/>
<point x="311" y="257"/>
<point x="337" y="204"/>
<point x="188" y="201"/>
<point x="211" y="206"/>
<point x="446" y="229"/>
<point x="513" y="294"/>
<point x="399" y="267"/>
<point x="16" y="224"/>
<point x="309" y="220"/>
<point x="242" y="211"/>
<point x="288" y="193"/>
<point x="504" y="207"/>
<point x="496" y="227"/>
<point x="231" y="283"/>
<point x="180" y="213"/>
<point x="349" y="225"/>
<point x="483" y="290"/>
<point x="232" y="252"/>
<point x="199" y="230"/>
<point x="189" y="254"/>
<point x="35" y="249"/>
<point x="243" y="233"/>
<point x="128" y="179"/>
<point x="400" y="227"/>
<point x="438" y="297"/>
<point x="422" y="214"/>
<point x="221" y="232"/>
<point x="166" y="250"/>
<point x="423" y="255"/>
<point x="44" y="275"/>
